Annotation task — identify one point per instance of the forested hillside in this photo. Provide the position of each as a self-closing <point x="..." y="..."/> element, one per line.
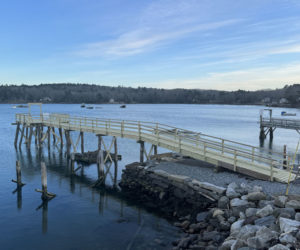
<point x="86" y="93"/>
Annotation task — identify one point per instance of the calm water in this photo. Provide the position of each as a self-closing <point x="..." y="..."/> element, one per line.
<point x="81" y="217"/>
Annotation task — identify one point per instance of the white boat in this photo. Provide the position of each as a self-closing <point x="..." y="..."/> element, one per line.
<point x="283" y="113"/>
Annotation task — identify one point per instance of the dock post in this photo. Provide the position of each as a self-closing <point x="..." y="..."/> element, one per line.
<point x="82" y="141"/>
<point x="262" y="135"/>
<point x="53" y="134"/>
<point x="18" y="172"/>
<point x="45" y="194"/>
<point x="61" y="136"/>
<point x="17" y="134"/>
<point x="49" y="136"/>
<point x="142" y="150"/>
<point x="155" y="149"/>
<point x="72" y="163"/>
<point x="284" y="157"/>
<point x="271" y="133"/>
<point x="29" y="137"/>
<point x="116" y="149"/>
<point x="100" y="169"/>
<point x="26" y="134"/>
<point x="22" y="135"/>
<point x="99" y="142"/>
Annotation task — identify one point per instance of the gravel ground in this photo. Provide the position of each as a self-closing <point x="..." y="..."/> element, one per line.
<point x="199" y="171"/>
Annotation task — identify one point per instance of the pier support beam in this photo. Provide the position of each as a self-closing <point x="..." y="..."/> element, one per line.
<point x="115" y="149"/>
<point x="142" y="150"/>
<point x="18" y="173"/>
<point x="22" y="135"/>
<point x="45" y="194"/>
<point x="82" y="141"/>
<point x="17" y="134"/>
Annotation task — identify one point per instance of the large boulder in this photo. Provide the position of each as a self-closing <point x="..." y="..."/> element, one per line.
<point x="280" y="201"/>
<point x="293" y="204"/>
<point x="246" y="232"/>
<point x="267" y="210"/>
<point x="256" y="196"/>
<point x="287" y="225"/>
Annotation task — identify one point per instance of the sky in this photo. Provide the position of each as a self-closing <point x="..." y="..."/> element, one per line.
<point x="202" y="44"/>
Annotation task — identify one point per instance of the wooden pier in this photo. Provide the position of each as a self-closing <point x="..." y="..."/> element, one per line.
<point x="238" y="157"/>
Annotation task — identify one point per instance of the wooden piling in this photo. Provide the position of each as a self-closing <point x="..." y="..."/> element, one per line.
<point x="22" y="135"/>
<point x="53" y="134"/>
<point x="99" y="142"/>
<point x="18" y="174"/>
<point x="82" y="141"/>
<point x="142" y="150"/>
<point x="284" y="157"/>
<point x="61" y="136"/>
<point x="155" y="149"/>
<point x="116" y="149"/>
<point x="17" y="134"/>
<point x="30" y="136"/>
<point x="45" y="194"/>
<point x="49" y="136"/>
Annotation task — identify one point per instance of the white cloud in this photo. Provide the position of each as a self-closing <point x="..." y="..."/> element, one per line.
<point x="252" y="79"/>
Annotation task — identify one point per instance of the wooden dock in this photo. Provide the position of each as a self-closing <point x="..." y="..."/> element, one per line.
<point x="238" y="157"/>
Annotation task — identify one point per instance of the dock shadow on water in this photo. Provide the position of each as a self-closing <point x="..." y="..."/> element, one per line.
<point x="83" y="215"/>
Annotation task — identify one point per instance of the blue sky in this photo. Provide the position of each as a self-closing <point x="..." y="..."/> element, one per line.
<point x="205" y="44"/>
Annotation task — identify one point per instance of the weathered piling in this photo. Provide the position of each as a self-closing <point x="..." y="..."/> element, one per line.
<point x="22" y="135"/>
<point x="17" y="134"/>
<point x="100" y="169"/>
<point x="116" y="149"/>
<point x="45" y="194"/>
<point x="18" y="174"/>
<point x="142" y="150"/>
<point x="82" y="141"/>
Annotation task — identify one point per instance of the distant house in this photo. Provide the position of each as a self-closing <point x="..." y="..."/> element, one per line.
<point x="45" y="99"/>
<point x="111" y="100"/>
<point x="283" y="101"/>
<point x="266" y="100"/>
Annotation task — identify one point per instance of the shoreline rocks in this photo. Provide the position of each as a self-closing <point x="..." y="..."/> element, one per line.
<point x="212" y="217"/>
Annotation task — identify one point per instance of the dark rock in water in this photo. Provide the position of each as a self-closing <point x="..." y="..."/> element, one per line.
<point x="91" y="156"/>
<point x="201" y="217"/>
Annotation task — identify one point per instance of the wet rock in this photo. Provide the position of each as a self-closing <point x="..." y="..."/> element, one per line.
<point x="279" y="247"/>
<point x="298" y="236"/>
<point x="265" y="221"/>
<point x="267" y="210"/>
<point x="185" y="224"/>
<point x="223" y="202"/>
<point x="287" y="225"/>
<point x="208" y="236"/>
<point x="256" y="196"/>
<point x="230" y="192"/>
<point x="250" y="212"/>
<point x="287" y="212"/>
<point x="297" y="216"/>
<point x="202" y="216"/>
<point x="287" y="239"/>
<point x="225" y="226"/>
<point x="238" y="244"/>
<point x="280" y="201"/>
<point x="247" y="231"/>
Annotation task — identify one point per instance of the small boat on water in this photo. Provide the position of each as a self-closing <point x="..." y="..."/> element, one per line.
<point x="123" y="106"/>
<point x="22" y="106"/>
<point x="89" y="107"/>
<point x="82" y="105"/>
<point x="284" y="113"/>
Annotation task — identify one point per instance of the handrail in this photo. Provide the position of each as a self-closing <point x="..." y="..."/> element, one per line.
<point x="183" y="138"/>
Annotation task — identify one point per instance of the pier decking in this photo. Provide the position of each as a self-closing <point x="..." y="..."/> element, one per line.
<point x="228" y="154"/>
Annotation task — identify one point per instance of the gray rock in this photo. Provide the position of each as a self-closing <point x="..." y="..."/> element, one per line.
<point x="256" y="196"/>
<point x="280" y="201"/>
<point x="225" y="225"/>
<point x="223" y="202"/>
<point x="238" y="244"/>
<point x="279" y="247"/>
<point x="287" y="211"/>
<point x="227" y="244"/>
<point x="267" y="210"/>
<point x="231" y="219"/>
<point x="247" y="231"/>
<point x="217" y="212"/>
<point x="231" y="191"/>
<point x="208" y="236"/>
<point x="263" y="238"/>
<point x="242" y="215"/>
<point x="209" y="186"/>
<point x="265" y="221"/>
<point x="287" y="225"/>
<point x="287" y="239"/>
<point x="236" y="226"/>
<point x="297" y="216"/>
<point x="236" y="202"/>
<point x="293" y="204"/>
<point x="202" y="216"/>
<point x="250" y="212"/>
<point x="298" y="235"/>
<point x="264" y="203"/>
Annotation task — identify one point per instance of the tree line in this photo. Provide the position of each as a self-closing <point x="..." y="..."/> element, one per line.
<point x="90" y="93"/>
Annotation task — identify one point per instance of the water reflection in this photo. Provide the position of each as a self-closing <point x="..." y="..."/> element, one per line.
<point x="44" y="207"/>
<point x="18" y="190"/>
